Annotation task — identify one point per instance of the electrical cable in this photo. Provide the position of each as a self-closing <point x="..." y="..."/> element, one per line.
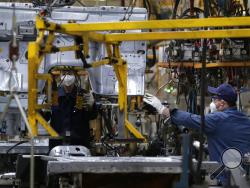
<point x="15" y="145"/>
<point x="12" y="147"/>
<point x="109" y="147"/>
<point x="50" y="4"/>
<point x="129" y="10"/>
<point x="191" y="104"/>
<point x="191" y="8"/>
<point x="195" y="10"/>
<point x="125" y="14"/>
<point x="82" y="57"/>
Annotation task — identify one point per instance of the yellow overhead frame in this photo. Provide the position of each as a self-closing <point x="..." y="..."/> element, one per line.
<point x="151" y="24"/>
<point x="218" y="28"/>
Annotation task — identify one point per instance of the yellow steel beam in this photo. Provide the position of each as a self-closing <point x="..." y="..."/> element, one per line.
<point x="68" y="48"/>
<point x="85" y="39"/>
<point x="49" y="42"/>
<point x="120" y="68"/>
<point x="152" y="24"/>
<point x="50" y="37"/>
<point x="98" y="37"/>
<point x="197" y="65"/>
<point x="224" y="64"/>
<point x="109" y="49"/>
<point x="33" y="62"/>
<point x="235" y="33"/>
<point x="40" y="37"/>
<point x="48" y="78"/>
<point x="43" y="24"/>
<point x="120" y="72"/>
<point x="134" y="131"/>
<point x="167" y="35"/>
<point x="44" y="123"/>
<point x="40" y="24"/>
<point x="43" y="77"/>
<point x="42" y="106"/>
<point x="85" y="30"/>
<point x="99" y="63"/>
<point x="53" y="49"/>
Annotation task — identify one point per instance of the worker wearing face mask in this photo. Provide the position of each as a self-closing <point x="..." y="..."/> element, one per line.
<point x="224" y="128"/>
<point x="71" y="115"/>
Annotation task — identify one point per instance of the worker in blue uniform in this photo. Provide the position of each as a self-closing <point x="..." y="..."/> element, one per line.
<point x="75" y="108"/>
<point x="224" y="128"/>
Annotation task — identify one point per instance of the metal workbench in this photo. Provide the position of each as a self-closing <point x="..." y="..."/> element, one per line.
<point x="107" y="165"/>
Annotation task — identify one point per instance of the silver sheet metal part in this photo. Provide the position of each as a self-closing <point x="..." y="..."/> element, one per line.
<point x="41" y="147"/>
<point x="163" y="165"/>
<point x="66" y="151"/>
<point x="103" y="79"/>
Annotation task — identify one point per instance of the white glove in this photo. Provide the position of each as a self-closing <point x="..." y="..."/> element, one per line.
<point x="154" y="101"/>
<point x="212" y="107"/>
<point x="88" y="100"/>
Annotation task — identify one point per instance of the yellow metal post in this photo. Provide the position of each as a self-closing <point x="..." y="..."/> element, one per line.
<point x="45" y="124"/>
<point x="85" y="40"/>
<point x="33" y="58"/>
<point x="134" y="131"/>
<point x="120" y="69"/>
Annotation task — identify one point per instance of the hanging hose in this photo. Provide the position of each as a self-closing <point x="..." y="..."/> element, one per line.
<point x="146" y="4"/>
<point x="175" y="9"/>
<point x="192" y="97"/>
<point x="187" y="13"/>
<point x="191" y="8"/>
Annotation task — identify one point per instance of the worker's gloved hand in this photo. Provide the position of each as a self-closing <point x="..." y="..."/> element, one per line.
<point x="154" y="101"/>
<point x="88" y="100"/>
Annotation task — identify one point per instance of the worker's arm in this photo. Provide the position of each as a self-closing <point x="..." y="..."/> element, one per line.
<point x="183" y="118"/>
<point x="93" y="112"/>
<point x="189" y="120"/>
<point x="89" y="104"/>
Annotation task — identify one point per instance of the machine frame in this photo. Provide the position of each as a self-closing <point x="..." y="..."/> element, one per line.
<point x="219" y="28"/>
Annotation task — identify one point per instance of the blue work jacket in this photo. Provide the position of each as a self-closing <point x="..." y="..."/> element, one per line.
<point x="229" y="128"/>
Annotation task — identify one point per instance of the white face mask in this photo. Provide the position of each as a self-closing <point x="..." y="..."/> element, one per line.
<point x="212" y="107"/>
<point x="68" y="80"/>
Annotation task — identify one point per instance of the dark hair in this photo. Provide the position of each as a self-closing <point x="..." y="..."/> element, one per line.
<point x="231" y="104"/>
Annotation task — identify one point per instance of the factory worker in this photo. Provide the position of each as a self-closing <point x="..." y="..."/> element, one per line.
<point x="226" y="127"/>
<point x="75" y="108"/>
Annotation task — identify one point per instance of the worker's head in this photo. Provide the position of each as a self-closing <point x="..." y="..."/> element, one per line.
<point x="68" y="78"/>
<point x="224" y="96"/>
